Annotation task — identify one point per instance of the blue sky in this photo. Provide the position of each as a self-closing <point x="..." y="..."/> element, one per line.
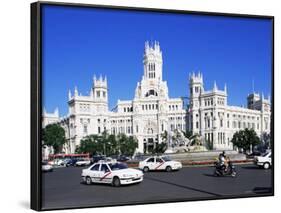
<point x="80" y="42"/>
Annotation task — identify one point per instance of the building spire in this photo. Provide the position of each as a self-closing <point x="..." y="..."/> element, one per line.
<point x="215" y="88"/>
<point x="269" y="97"/>
<point x="75" y="91"/>
<point x="253" y="86"/>
<point x="225" y="88"/>
<point x="69" y="94"/>
<point x="56" y="112"/>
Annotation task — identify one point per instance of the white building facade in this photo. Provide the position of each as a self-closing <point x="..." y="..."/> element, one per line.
<point x="152" y="111"/>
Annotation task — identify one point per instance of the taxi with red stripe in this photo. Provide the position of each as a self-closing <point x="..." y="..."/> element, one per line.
<point x="115" y="173"/>
<point x="159" y="163"/>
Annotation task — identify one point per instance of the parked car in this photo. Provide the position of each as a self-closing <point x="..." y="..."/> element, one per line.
<point x="97" y="158"/>
<point x="159" y="163"/>
<point x="263" y="160"/>
<point x="111" y="173"/>
<point x="70" y="162"/>
<point x="57" y="162"/>
<point x="82" y="162"/>
<point x="254" y="153"/>
<point x="123" y="158"/>
<point x="46" y="167"/>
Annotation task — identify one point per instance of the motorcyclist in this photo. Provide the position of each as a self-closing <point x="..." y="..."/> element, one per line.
<point x="223" y="161"/>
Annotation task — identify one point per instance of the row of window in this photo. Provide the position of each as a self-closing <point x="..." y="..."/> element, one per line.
<point x="149" y="106"/>
<point x="233" y="115"/>
<point x="99" y="93"/>
<point x="197" y="90"/>
<point x="151" y="67"/>
<point x="151" y="75"/>
<point x="220" y="101"/>
<point x="173" y="107"/>
<point x="128" y="130"/>
<point x="121" y="121"/>
<point x="84" y="107"/>
<point x="221" y="138"/>
<point x="176" y="126"/>
<point x="175" y="118"/>
<point x="128" y="109"/>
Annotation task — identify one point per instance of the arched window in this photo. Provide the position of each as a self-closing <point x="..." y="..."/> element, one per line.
<point x="149" y="131"/>
<point x="151" y="92"/>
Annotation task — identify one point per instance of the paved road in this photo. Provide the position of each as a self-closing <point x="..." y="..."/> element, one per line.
<point x="63" y="187"/>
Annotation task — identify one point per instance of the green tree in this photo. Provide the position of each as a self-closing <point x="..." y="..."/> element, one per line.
<point x="266" y="140"/>
<point x="245" y="139"/>
<point x="90" y="144"/>
<point x="54" y="135"/>
<point x="108" y="144"/>
<point x="160" y="148"/>
<point x="127" y="144"/>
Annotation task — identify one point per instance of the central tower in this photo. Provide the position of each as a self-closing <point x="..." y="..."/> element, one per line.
<point x="152" y="84"/>
<point x="152" y="62"/>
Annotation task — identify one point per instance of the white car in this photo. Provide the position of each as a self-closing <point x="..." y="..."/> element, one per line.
<point x="159" y="163"/>
<point x="112" y="173"/>
<point x="83" y="162"/>
<point x="56" y="162"/>
<point x="46" y="167"/>
<point x="264" y="160"/>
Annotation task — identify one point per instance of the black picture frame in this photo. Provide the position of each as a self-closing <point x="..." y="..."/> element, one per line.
<point x="36" y="97"/>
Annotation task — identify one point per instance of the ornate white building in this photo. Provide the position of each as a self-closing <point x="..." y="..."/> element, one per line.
<point x="152" y="111"/>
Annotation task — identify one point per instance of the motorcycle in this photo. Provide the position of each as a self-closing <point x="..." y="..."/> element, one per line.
<point x="221" y="171"/>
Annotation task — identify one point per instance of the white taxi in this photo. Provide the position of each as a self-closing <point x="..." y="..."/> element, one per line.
<point x="83" y="162"/>
<point x="264" y="160"/>
<point x="159" y="163"/>
<point x="112" y="173"/>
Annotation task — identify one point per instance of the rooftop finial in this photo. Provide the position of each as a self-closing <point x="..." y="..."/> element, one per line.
<point x="56" y="112"/>
<point x="269" y="97"/>
<point x="75" y="91"/>
<point x="253" y="86"/>
<point x="225" y="88"/>
<point x="215" y="86"/>
<point x="69" y="94"/>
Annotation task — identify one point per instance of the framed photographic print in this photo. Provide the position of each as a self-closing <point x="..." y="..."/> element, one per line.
<point x="139" y="106"/>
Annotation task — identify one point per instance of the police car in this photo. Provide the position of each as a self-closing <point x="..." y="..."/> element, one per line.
<point x="112" y="173"/>
<point x="159" y="163"/>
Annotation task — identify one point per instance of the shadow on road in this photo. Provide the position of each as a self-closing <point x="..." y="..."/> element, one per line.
<point x="182" y="186"/>
<point x="210" y="175"/>
<point x="262" y="190"/>
<point x="213" y="176"/>
<point x="251" y="167"/>
<point x="109" y="185"/>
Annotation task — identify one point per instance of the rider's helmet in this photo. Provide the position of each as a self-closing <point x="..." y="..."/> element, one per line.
<point x="223" y="153"/>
